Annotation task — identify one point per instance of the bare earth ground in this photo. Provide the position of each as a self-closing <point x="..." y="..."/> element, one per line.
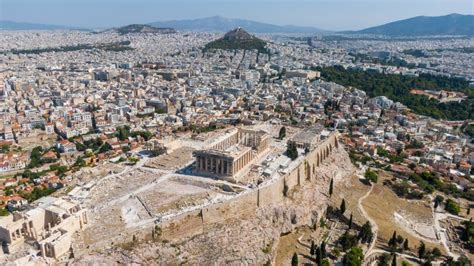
<point x="350" y="190"/>
<point x="177" y="158"/>
<point x="393" y="213"/>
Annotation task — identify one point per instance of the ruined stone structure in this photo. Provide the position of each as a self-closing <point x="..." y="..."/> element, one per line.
<point x="51" y="225"/>
<point x="230" y="155"/>
<point x="196" y="222"/>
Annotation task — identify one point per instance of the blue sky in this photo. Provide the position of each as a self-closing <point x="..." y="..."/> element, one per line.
<point x="325" y="14"/>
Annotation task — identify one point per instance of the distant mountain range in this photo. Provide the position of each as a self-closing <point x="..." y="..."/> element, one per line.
<point x="452" y="24"/>
<point x="142" y="28"/>
<point x="221" y="24"/>
<point x="12" y="25"/>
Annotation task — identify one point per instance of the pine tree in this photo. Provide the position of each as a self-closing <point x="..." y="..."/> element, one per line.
<point x="342" y="208"/>
<point x="312" y="250"/>
<point x="294" y="260"/>
<point x="331" y="187"/>
<point x="350" y="222"/>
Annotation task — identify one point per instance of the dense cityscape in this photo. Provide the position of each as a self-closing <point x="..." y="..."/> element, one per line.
<point x="147" y="146"/>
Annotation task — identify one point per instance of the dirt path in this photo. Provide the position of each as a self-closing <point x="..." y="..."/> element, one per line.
<point x="371" y="221"/>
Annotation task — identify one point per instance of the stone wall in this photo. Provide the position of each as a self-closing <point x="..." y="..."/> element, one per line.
<point x="271" y="194"/>
<point x="195" y="222"/>
<point x="244" y="204"/>
<point x="187" y="224"/>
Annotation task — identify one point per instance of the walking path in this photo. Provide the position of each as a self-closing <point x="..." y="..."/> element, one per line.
<point x="371" y="221"/>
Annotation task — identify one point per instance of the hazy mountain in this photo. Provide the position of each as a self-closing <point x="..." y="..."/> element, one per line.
<point x="453" y="24"/>
<point x="221" y="24"/>
<point x="141" y="28"/>
<point x="11" y="25"/>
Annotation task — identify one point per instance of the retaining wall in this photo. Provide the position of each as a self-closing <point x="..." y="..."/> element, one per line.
<point x="196" y="222"/>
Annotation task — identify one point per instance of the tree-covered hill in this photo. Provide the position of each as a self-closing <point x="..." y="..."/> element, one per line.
<point x="398" y="87"/>
<point x="237" y="39"/>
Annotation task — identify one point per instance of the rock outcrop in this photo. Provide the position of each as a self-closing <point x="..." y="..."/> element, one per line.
<point x="242" y="240"/>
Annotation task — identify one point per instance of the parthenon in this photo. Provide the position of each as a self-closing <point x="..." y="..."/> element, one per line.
<point x="231" y="154"/>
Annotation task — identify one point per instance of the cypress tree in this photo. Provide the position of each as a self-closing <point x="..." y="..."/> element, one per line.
<point x="319" y="258"/>
<point x="405" y="244"/>
<point x="312" y="250"/>
<point x="393" y="241"/>
<point x="350" y="222"/>
<point x="294" y="260"/>
<point x="331" y="184"/>
<point x="394" y="260"/>
<point x="421" y="250"/>
<point x="342" y="208"/>
<point x="323" y="249"/>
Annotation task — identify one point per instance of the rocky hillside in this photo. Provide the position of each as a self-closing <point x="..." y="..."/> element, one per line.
<point x="248" y="240"/>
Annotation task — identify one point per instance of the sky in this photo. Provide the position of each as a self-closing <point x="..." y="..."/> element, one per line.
<point x="324" y="14"/>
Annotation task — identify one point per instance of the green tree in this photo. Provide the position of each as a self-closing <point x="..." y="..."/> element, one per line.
<point x="319" y="257"/>
<point x="292" y="151"/>
<point x="371" y="176"/>
<point x="452" y="207"/>
<point x="331" y="184"/>
<point x="354" y="257"/>
<point x="394" y="260"/>
<point x="350" y="222"/>
<point x="4" y="212"/>
<point x="466" y="234"/>
<point x="4" y="148"/>
<point x="323" y="249"/>
<point x="312" y="250"/>
<point x="405" y="244"/>
<point x="366" y="234"/>
<point x="383" y="259"/>
<point x="422" y="250"/>
<point x="347" y="241"/>
<point x="105" y="147"/>
<point x="80" y="162"/>
<point x="392" y="243"/>
<point x="35" y="157"/>
<point x="325" y="262"/>
<point x="342" y="208"/>
<point x="282" y="133"/>
<point x="294" y="260"/>
<point x="435" y="253"/>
